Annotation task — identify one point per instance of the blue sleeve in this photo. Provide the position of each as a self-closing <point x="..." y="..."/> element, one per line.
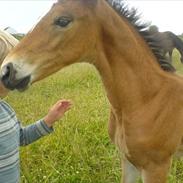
<point x="33" y="132"/>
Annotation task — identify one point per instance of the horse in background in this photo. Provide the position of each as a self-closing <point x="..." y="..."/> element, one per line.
<point x="168" y="41"/>
<point x="7" y="43"/>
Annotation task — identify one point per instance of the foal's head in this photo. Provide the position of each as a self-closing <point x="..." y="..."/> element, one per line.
<point x="74" y="31"/>
<point x="66" y="34"/>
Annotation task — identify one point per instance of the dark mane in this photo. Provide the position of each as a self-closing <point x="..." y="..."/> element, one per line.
<point x="134" y="18"/>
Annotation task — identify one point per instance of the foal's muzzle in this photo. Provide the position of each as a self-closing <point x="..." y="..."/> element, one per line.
<point x="8" y="78"/>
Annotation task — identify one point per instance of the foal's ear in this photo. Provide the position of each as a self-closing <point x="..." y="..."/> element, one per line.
<point x="90" y="3"/>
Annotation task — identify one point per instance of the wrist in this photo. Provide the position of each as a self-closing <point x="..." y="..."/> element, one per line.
<point x="43" y="127"/>
<point x="48" y="122"/>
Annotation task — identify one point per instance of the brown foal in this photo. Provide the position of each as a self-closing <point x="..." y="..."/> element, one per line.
<point x="146" y="120"/>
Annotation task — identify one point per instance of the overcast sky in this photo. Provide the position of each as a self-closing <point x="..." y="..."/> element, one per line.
<point x="166" y="14"/>
<point x="23" y="14"/>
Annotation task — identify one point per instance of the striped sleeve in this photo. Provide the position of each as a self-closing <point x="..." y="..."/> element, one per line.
<point x="33" y="132"/>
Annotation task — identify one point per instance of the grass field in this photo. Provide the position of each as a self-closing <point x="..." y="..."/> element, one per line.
<point x="79" y="151"/>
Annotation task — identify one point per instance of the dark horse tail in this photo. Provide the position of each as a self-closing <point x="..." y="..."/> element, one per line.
<point x="178" y="43"/>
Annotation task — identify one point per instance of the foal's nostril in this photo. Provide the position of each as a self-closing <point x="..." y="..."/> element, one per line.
<point x="5" y="71"/>
<point x="8" y="76"/>
<point x="8" y="72"/>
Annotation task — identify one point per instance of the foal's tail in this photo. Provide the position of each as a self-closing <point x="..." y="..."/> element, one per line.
<point x="177" y="42"/>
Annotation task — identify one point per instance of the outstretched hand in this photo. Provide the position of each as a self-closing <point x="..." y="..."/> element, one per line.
<point x="57" y="111"/>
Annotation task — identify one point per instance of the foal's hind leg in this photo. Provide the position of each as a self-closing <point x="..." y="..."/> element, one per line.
<point x="112" y="127"/>
<point x="156" y="173"/>
<point x="170" y="56"/>
<point x="130" y="173"/>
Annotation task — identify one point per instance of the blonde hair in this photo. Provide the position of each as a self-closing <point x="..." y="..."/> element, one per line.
<point x="7" y="42"/>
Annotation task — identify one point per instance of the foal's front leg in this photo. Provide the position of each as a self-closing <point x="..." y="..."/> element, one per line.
<point x="130" y="173"/>
<point x="170" y="56"/>
<point x="156" y="173"/>
<point x="112" y="126"/>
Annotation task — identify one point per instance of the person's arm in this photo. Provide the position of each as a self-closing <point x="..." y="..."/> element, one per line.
<point x="43" y="127"/>
<point x="33" y="132"/>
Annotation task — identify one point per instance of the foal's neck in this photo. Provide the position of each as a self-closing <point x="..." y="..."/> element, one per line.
<point x="127" y="66"/>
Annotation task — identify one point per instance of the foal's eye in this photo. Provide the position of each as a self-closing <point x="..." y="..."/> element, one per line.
<point x="63" y="21"/>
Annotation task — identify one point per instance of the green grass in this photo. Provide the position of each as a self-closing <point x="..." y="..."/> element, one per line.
<point x="79" y="151"/>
